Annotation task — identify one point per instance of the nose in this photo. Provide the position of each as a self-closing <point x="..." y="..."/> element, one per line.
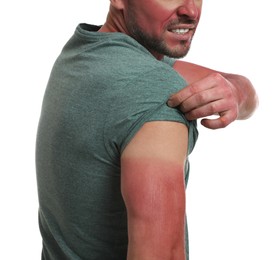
<point x="190" y="8"/>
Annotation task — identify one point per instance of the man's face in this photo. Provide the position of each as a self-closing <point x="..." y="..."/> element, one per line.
<point x="164" y="27"/>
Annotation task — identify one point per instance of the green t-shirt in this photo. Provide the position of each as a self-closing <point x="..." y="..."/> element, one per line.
<point x="102" y="89"/>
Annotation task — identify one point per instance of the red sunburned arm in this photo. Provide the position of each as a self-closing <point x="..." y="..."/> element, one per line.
<point x="152" y="170"/>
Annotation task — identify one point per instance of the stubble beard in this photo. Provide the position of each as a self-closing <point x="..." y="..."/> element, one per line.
<point x="156" y="45"/>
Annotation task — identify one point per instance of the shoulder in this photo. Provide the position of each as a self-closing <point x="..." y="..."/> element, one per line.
<point x="119" y="54"/>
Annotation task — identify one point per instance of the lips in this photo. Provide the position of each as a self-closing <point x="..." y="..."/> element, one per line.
<point x="181" y="26"/>
<point x="180" y="31"/>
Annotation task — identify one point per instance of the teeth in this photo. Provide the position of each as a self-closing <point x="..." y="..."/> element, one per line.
<point x="180" y="31"/>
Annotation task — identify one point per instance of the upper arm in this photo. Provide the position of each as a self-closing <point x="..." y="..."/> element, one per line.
<point x="191" y="72"/>
<point x="152" y="179"/>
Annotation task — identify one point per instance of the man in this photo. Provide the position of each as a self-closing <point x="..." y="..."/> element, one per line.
<point x="111" y="155"/>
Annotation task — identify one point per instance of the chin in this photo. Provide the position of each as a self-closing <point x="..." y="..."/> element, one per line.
<point x="177" y="53"/>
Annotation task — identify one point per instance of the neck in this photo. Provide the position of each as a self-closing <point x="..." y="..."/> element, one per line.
<point x="115" y="23"/>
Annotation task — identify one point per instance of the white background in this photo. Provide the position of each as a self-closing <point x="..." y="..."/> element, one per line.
<point x="233" y="193"/>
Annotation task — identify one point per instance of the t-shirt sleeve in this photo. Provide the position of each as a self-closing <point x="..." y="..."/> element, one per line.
<point x="142" y="100"/>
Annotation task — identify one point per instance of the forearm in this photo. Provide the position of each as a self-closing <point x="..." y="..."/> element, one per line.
<point x="245" y="93"/>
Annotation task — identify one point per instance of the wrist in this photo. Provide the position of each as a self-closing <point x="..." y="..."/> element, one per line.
<point x="245" y="95"/>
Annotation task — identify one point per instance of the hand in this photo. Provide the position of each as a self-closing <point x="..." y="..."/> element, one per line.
<point x="212" y="95"/>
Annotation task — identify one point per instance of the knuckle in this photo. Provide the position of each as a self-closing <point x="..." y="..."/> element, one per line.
<point x="181" y="96"/>
<point x="202" y="98"/>
<point x="194" y="114"/>
<point x="193" y="88"/>
<point x="228" y="91"/>
<point x="183" y="107"/>
<point x="218" y="77"/>
<point x="178" y="98"/>
<point x="186" y="107"/>
<point x="228" y="118"/>
<point x="224" y="122"/>
<point x="212" y="108"/>
<point x="189" y="116"/>
<point x="222" y="82"/>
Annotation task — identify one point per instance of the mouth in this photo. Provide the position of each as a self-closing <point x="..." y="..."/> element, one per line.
<point x="181" y="27"/>
<point x="180" y="31"/>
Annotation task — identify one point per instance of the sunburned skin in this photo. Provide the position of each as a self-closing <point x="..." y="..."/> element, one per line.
<point x="153" y="188"/>
<point x="171" y="24"/>
<point x="154" y="194"/>
<point x="160" y="181"/>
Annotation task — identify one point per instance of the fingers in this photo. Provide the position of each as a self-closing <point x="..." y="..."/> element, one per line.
<point x="219" y="122"/>
<point x="223" y="118"/>
<point x="204" y="103"/>
<point x="214" y="107"/>
<point x="196" y="88"/>
<point x="176" y="99"/>
<point x="182" y="96"/>
<point x="206" y="97"/>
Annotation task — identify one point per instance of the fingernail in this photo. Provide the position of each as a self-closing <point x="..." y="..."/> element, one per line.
<point x="170" y="103"/>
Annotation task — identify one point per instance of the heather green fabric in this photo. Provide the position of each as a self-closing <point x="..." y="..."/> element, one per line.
<point x="103" y="87"/>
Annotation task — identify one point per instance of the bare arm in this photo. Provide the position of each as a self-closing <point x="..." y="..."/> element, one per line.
<point x="210" y="92"/>
<point x="152" y="179"/>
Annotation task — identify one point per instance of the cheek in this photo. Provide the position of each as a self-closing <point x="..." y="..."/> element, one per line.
<point x="156" y="15"/>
